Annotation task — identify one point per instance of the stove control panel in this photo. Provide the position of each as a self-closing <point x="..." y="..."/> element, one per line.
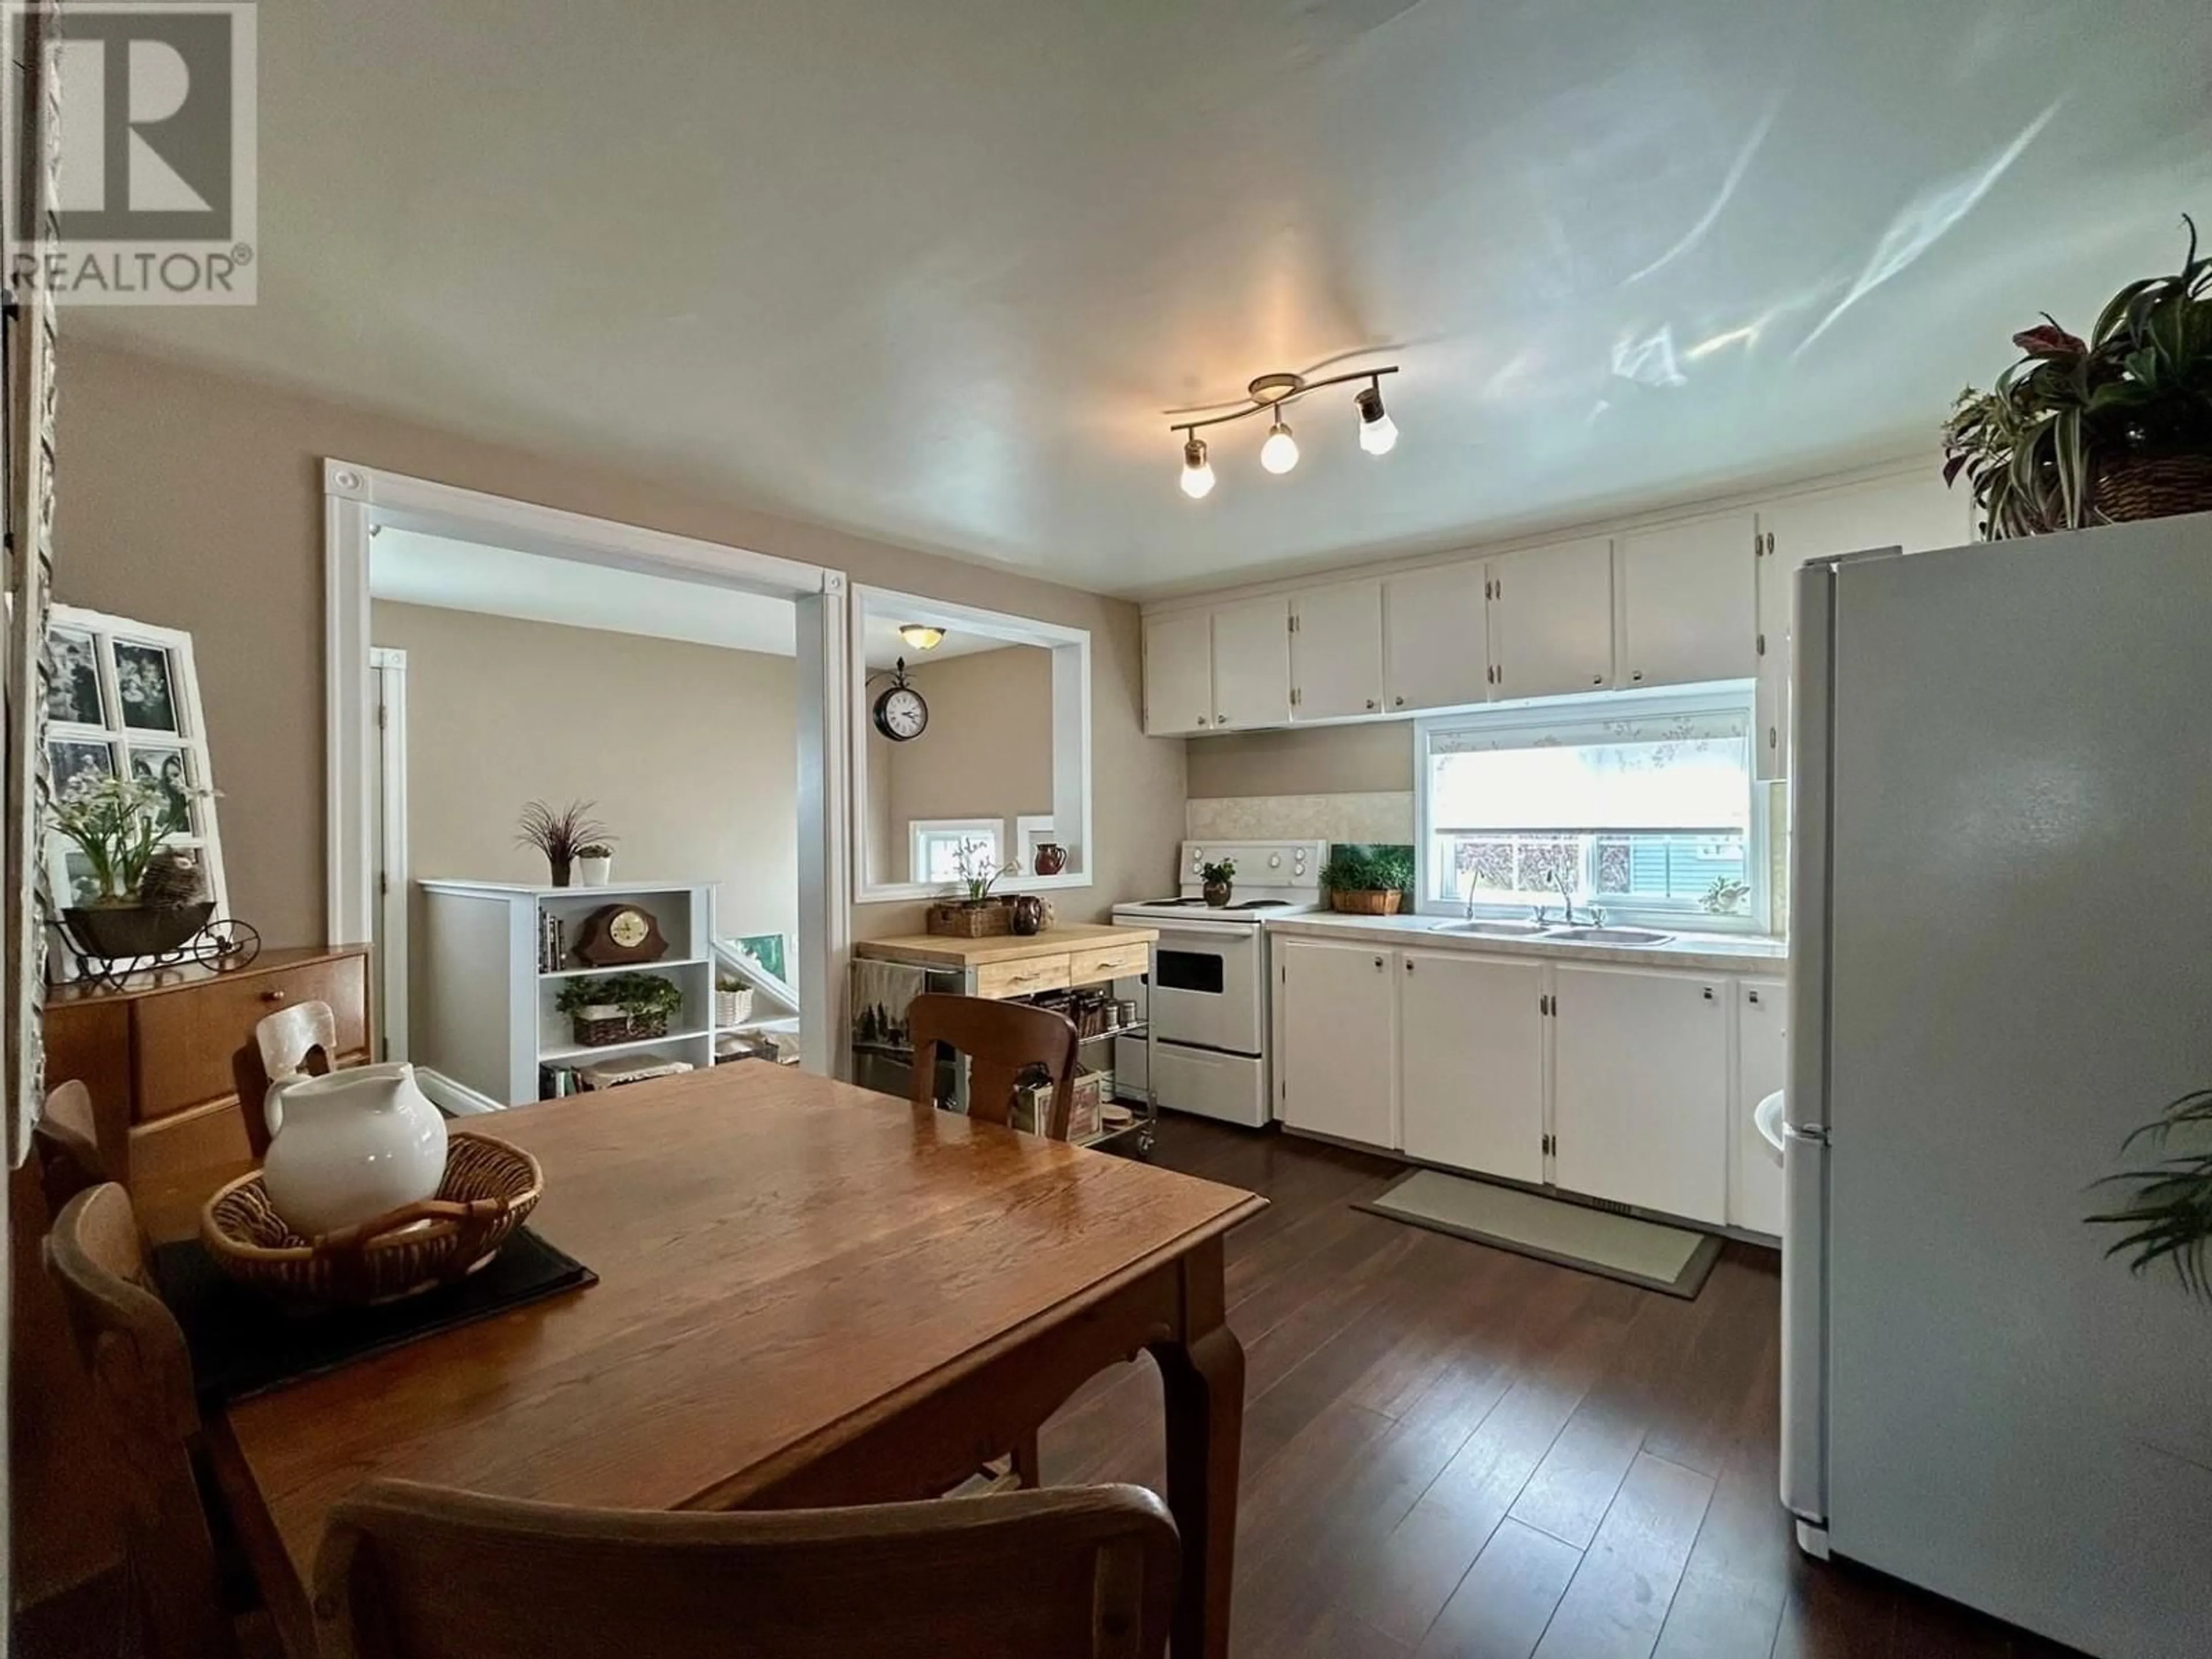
<point x="1264" y="863"/>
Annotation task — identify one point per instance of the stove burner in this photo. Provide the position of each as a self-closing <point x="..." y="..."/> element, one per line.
<point x="1201" y="904"/>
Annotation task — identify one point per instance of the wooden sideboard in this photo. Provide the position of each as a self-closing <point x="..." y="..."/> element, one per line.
<point x="156" y="1054"/>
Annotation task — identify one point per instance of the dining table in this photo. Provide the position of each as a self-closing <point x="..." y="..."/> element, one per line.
<point x="808" y="1295"/>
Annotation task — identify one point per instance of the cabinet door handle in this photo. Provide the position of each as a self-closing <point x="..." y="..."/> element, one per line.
<point x="1202" y="719"/>
<point x="1754" y="996"/>
<point x="1409" y="964"/>
<point x="1709" y="994"/>
<point x="1597" y="680"/>
<point x="1637" y="675"/>
<point x="1397" y="703"/>
<point x="272" y="996"/>
<point x="1378" y="962"/>
<point x="1370" y="702"/>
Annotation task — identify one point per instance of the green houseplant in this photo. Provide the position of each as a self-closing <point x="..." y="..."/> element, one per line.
<point x="1370" y="881"/>
<point x="118" y="826"/>
<point x="1217" y="881"/>
<point x="560" y="834"/>
<point x="615" y="1007"/>
<point x="2168" y="1212"/>
<point x="2115" y="427"/>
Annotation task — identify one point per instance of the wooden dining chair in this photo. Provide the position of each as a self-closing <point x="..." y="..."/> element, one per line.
<point x="409" y="1571"/>
<point x="292" y="1041"/>
<point x="1003" y="1041"/>
<point x="68" y="1144"/>
<point x="142" y="1385"/>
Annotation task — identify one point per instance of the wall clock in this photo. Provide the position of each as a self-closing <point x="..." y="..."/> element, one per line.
<point x="616" y="933"/>
<point x="900" y="713"/>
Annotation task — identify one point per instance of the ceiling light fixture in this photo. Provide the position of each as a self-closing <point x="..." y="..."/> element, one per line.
<point x="1197" y="470"/>
<point x="1378" y="432"/>
<point x="920" y="636"/>
<point x="1268" y="396"/>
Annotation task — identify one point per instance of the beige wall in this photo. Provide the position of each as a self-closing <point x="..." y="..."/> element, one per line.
<point x="690" y="751"/>
<point x="986" y="753"/>
<point x="1322" y="760"/>
<point x="195" y="499"/>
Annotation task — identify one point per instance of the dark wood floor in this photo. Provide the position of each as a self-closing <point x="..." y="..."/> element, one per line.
<point x="1453" y="1450"/>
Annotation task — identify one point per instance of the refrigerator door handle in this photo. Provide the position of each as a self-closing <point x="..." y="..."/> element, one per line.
<point x="1805" y="1323"/>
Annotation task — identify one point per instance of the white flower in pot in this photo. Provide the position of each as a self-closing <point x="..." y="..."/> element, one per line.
<point x="595" y="864"/>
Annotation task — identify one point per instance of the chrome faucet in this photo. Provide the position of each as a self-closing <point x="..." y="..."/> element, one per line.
<point x="1596" y="916"/>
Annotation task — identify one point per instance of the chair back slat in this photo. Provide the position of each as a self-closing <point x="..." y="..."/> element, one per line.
<point x="1003" y="1041"/>
<point x="141" y="1384"/>
<point x="294" y="1041"/>
<point x="416" y="1572"/>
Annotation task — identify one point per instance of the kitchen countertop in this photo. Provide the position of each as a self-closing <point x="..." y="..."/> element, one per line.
<point x="937" y="949"/>
<point x="1721" y="953"/>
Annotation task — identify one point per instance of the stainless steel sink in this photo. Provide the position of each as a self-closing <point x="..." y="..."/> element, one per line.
<point x="1495" y="929"/>
<point x="1607" y="936"/>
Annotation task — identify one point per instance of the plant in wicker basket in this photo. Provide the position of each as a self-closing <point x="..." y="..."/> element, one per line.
<point x="619" y="1007"/>
<point x="2084" y="432"/>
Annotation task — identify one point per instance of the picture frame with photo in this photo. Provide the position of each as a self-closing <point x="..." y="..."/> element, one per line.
<point x="136" y="716"/>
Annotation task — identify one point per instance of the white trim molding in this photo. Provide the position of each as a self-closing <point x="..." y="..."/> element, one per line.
<point x="1070" y="735"/>
<point x="358" y="501"/>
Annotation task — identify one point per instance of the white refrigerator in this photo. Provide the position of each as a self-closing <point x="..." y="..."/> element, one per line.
<point x="2000" y="962"/>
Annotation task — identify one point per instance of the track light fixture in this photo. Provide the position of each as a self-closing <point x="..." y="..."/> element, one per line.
<point x="1378" y="432"/>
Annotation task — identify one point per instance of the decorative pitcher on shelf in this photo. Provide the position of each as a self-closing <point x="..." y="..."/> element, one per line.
<point x="350" y="1146"/>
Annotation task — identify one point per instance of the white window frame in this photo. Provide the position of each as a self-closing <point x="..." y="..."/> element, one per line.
<point x="1571" y="719"/>
<point x="920" y="832"/>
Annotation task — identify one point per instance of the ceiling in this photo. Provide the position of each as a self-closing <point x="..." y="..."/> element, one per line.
<point x="407" y="567"/>
<point x="934" y="273"/>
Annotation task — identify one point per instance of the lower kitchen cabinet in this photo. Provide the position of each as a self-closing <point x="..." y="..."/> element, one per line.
<point x="1336" y="1052"/>
<point x="1640" y="1089"/>
<point x="1471" y="1062"/>
<point x="1762" y="1061"/>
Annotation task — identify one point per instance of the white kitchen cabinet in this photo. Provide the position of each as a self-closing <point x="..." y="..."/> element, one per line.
<point x="1640" y="1088"/>
<point x="1762" y="1058"/>
<point x="1336" y="1052"/>
<point x="1471" y="1062"/>
<point x="1551" y="620"/>
<point x="1435" y="638"/>
<point x="1916" y="513"/>
<point x="1689" y="602"/>
<point x="1252" y="664"/>
<point x="1178" y="673"/>
<point x="1336" y="652"/>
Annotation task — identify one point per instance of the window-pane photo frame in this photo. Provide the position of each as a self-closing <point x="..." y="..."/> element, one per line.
<point x="124" y="702"/>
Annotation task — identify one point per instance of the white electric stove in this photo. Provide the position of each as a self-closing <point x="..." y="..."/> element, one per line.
<point x="1207" y="998"/>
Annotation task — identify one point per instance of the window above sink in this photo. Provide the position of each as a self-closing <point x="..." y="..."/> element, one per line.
<point x="1643" y="807"/>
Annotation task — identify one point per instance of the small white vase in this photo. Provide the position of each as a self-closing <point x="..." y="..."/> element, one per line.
<point x="351" y="1147"/>
<point x="595" y="872"/>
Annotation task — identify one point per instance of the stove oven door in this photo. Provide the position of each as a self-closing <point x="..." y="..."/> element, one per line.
<point x="1207" y="988"/>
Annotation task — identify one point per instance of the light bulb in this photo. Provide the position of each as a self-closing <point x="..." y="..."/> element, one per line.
<point x="1378" y="432"/>
<point x="1197" y="472"/>
<point x="1281" y="452"/>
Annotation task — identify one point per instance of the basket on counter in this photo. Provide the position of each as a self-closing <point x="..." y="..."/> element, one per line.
<point x="597" y="1027"/>
<point x="488" y="1190"/>
<point x="985" y="920"/>
<point x="1366" y="902"/>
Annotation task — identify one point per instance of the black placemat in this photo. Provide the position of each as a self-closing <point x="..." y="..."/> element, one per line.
<point x="242" y="1344"/>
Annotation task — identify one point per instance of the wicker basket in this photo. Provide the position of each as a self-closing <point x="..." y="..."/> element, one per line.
<point x="1367" y="903"/>
<point x="2153" y="486"/>
<point x="489" y="1188"/>
<point x="732" y="1008"/>
<point x="624" y="1028"/>
<point x="986" y="921"/>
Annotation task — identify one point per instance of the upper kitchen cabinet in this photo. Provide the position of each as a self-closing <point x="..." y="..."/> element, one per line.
<point x="1689" y="602"/>
<point x="1916" y="512"/>
<point x="1551" y="620"/>
<point x="1336" y="652"/>
<point x="1435" y="635"/>
<point x="1252" y="664"/>
<point x="1178" y="673"/>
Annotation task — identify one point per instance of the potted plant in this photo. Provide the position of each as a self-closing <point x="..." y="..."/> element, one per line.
<point x="117" y="824"/>
<point x="974" y="914"/>
<point x="619" y="1007"/>
<point x="733" y="1001"/>
<point x="1217" y="881"/>
<point x="560" y="835"/>
<point x="595" y="863"/>
<point x="1368" y="881"/>
<point x="2096" y="431"/>
<point x="2168" y="1214"/>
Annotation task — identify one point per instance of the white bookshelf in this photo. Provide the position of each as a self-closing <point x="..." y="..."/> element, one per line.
<point x="487" y="1013"/>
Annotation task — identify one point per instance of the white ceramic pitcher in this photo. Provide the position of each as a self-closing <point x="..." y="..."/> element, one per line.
<point x="350" y="1146"/>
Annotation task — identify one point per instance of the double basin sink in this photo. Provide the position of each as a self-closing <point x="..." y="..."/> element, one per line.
<point x="1553" y="934"/>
